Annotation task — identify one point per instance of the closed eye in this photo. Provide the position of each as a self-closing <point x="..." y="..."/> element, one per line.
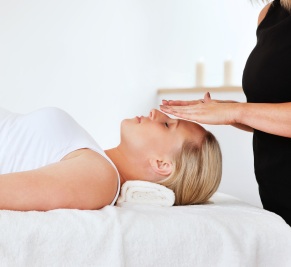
<point x="166" y="124"/>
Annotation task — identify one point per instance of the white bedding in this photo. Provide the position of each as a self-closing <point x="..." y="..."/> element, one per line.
<point x="225" y="233"/>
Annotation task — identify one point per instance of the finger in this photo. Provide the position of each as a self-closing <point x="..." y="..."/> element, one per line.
<point x="207" y="97"/>
<point x="179" y="102"/>
<point x="183" y="115"/>
<point x="184" y="112"/>
<point x="166" y="109"/>
<point x="170" y="109"/>
<point x="188" y="108"/>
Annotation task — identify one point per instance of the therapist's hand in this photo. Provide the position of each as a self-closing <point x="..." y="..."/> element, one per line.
<point x="206" y="111"/>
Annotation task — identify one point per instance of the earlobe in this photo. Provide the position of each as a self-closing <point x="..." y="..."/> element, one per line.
<point x="161" y="167"/>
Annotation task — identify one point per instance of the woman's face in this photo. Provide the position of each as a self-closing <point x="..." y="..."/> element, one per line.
<point x="158" y="135"/>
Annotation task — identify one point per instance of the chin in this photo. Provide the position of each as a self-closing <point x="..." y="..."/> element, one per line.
<point x="124" y="124"/>
<point x="126" y="128"/>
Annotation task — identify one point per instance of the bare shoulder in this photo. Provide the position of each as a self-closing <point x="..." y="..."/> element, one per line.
<point x="89" y="179"/>
<point x="263" y="13"/>
<point x="98" y="174"/>
<point x="96" y="164"/>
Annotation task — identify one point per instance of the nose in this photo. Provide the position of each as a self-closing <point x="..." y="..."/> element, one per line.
<point x="157" y="115"/>
<point x="152" y="114"/>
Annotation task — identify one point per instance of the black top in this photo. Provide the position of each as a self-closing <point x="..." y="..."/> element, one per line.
<point x="267" y="79"/>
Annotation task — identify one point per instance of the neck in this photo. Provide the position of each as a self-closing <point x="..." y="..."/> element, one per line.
<point x="127" y="169"/>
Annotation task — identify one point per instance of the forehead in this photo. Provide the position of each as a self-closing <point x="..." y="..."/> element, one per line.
<point x="192" y="130"/>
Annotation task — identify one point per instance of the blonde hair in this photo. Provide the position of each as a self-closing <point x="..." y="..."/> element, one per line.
<point x="285" y="3"/>
<point x="197" y="171"/>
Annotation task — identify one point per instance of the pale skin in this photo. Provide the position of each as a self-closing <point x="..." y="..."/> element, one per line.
<point x="270" y="118"/>
<point x="84" y="179"/>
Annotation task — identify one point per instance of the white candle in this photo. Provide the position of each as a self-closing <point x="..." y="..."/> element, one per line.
<point x="228" y="72"/>
<point x="200" y="73"/>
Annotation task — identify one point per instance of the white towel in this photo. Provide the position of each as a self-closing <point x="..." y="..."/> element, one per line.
<point x="142" y="192"/>
<point x="226" y="233"/>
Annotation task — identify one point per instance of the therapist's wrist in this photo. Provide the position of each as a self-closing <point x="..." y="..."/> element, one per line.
<point x="239" y="113"/>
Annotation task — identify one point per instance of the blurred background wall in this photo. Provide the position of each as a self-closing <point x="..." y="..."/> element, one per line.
<point x="103" y="61"/>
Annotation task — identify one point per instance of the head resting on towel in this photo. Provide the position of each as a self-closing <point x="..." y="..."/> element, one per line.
<point x="178" y="154"/>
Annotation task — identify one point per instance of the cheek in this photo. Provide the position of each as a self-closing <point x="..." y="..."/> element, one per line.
<point x="157" y="142"/>
<point x="133" y="134"/>
<point x="146" y="138"/>
<point x="127" y="128"/>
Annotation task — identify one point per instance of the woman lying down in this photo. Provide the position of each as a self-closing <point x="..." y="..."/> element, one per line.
<point x="48" y="161"/>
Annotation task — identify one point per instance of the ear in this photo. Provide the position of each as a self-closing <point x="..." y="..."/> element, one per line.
<point x="161" y="167"/>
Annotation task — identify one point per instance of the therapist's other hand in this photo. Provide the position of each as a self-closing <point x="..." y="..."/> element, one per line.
<point x="206" y="110"/>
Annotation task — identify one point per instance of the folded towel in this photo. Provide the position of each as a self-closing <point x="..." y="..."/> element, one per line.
<point x="142" y="192"/>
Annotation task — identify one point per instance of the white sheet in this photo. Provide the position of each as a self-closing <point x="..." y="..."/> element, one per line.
<point x="226" y="233"/>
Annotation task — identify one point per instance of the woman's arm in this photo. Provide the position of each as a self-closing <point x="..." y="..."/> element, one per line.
<point x="269" y="118"/>
<point x="78" y="183"/>
<point x="243" y="127"/>
<point x="189" y="111"/>
<point x="207" y="98"/>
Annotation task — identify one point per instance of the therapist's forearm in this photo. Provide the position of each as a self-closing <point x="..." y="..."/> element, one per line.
<point x="243" y="127"/>
<point x="270" y="118"/>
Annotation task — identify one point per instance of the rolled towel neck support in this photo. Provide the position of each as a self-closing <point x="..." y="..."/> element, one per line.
<point x="142" y="192"/>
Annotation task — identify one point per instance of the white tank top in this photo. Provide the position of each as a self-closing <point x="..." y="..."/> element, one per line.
<point x="40" y="138"/>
